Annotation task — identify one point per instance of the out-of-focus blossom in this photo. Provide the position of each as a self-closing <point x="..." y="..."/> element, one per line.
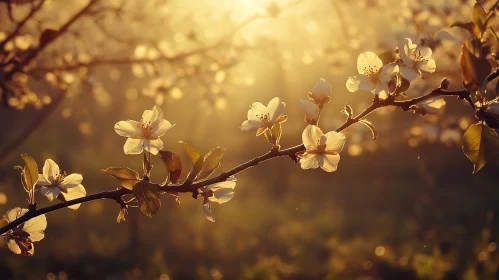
<point x="20" y="239"/>
<point x="415" y="59"/>
<point x="54" y="184"/>
<point x="322" y="150"/>
<point x="220" y="193"/>
<point x="261" y="117"/>
<point x="373" y="75"/>
<point x="144" y="134"/>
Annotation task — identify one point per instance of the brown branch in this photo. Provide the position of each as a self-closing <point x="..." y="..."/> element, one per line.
<point x="20" y="25"/>
<point x="189" y="187"/>
<point x="34" y="53"/>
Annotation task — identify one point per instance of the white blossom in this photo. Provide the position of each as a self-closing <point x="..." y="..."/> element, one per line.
<point x="415" y="59"/>
<point x="20" y="239"/>
<point x="56" y="184"/>
<point x="220" y="193"/>
<point x="373" y="75"/>
<point x="144" y="134"/>
<point x="261" y="117"/>
<point x="322" y="150"/>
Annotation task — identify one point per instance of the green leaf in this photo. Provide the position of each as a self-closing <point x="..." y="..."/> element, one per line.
<point x="196" y="159"/>
<point x="147" y="195"/>
<point x="126" y="176"/>
<point x="371" y="127"/>
<point x="211" y="162"/>
<point x="29" y="174"/>
<point x="480" y="145"/>
<point x="173" y="166"/>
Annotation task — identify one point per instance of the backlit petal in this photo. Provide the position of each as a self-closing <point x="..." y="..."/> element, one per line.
<point x="71" y="181"/>
<point x="309" y="161"/>
<point x="362" y="82"/>
<point x="128" y="129"/>
<point x="133" y="146"/>
<point x="153" y="146"/>
<point x="50" y="192"/>
<point x="35" y="227"/>
<point x="207" y="212"/>
<point x="330" y="162"/>
<point x="335" y="141"/>
<point x="409" y="73"/>
<point x="74" y="193"/>
<point x="251" y="125"/>
<point x="311" y="137"/>
<point x="51" y="170"/>
<point x="160" y="128"/>
<point x="367" y="61"/>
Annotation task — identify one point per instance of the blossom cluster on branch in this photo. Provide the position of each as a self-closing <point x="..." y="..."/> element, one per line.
<point x="388" y="81"/>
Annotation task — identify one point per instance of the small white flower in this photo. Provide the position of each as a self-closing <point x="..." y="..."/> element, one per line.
<point x="54" y="184"/>
<point x="311" y="111"/>
<point x="261" y="117"/>
<point x="220" y="193"/>
<point x="321" y="92"/>
<point x="415" y="59"/>
<point x="432" y="106"/>
<point x="144" y="134"/>
<point x="20" y="239"/>
<point x="373" y="76"/>
<point x="321" y="149"/>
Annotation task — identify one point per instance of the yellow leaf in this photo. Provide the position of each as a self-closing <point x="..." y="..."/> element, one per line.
<point x="211" y="162"/>
<point x="126" y="176"/>
<point x="480" y="145"/>
<point x="147" y="195"/>
<point x="29" y="172"/>
<point x="173" y="166"/>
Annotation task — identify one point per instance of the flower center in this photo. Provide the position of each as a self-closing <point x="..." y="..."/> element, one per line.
<point x="265" y="119"/>
<point x="146" y="129"/>
<point x="418" y="57"/>
<point x="370" y="71"/>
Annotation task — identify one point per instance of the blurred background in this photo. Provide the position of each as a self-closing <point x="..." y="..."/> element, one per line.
<point x="404" y="206"/>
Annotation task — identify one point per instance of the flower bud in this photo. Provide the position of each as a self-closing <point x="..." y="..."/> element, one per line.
<point x="311" y="111"/>
<point x="321" y="93"/>
<point x="445" y="83"/>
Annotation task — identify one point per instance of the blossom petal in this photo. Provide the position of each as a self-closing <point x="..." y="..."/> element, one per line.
<point x="153" y="146"/>
<point x="160" y="128"/>
<point x="35" y="227"/>
<point x="309" y="108"/>
<point x="42" y="181"/>
<point x="309" y="161"/>
<point x="409" y="73"/>
<point x="259" y="108"/>
<point x="335" y="141"/>
<point x="362" y="82"/>
<point x="133" y="146"/>
<point x="71" y="181"/>
<point x="74" y="193"/>
<point x="222" y="192"/>
<point x="149" y="117"/>
<point x="329" y="163"/>
<point x="423" y="52"/>
<point x="50" y="192"/>
<point x="406" y="49"/>
<point x="12" y="245"/>
<point x="368" y="61"/>
<point x="428" y="66"/>
<point x="311" y="137"/>
<point x="14" y="213"/>
<point x="51" y="170"/>
<point x="387" y="72"/>
<point x="207" y="212"/>
<point x="275" y="108"/>
<point x="128" y="129"/>
<point x="251" y="125"/>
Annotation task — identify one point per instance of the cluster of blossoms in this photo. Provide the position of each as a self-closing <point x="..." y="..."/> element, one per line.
<point x="412" y="62"/>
